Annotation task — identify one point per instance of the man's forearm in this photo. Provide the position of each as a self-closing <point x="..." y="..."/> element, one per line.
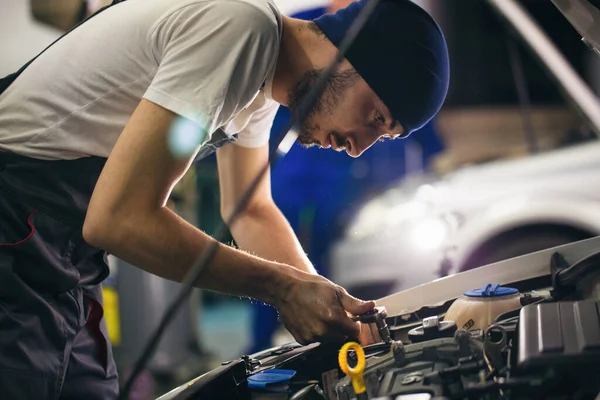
<point x="266" y="233"/>
<point x="164" y="244"/>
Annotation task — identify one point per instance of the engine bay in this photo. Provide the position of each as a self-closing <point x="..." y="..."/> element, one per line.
<point x="534" y="338"/>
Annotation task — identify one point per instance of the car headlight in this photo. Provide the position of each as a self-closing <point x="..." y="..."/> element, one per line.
<point x="429" y="233"/>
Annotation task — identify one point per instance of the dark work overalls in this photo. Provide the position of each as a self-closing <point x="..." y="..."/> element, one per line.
<point x="53" y="338"/>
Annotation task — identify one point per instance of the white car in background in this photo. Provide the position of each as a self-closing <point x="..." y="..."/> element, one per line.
<point x="427" y="227"/>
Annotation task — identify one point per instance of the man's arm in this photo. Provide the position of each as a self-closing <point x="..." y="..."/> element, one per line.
<point x="128" y="218"/>
<point x="261" y="228"/>
<point x="127" y="215"/>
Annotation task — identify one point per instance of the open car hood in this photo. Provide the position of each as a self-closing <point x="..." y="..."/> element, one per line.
<point x="440" y="344"/>
<point x="508" y="272"/>
<point x="584" y="15"/>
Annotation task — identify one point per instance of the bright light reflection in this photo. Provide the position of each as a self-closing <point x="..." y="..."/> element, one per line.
<point x="185" y="137"/>
<point x="429" y="234"/>
<point x="287" y="142"/>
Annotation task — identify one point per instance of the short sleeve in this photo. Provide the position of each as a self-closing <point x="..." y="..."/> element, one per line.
<point x="258" y="130"/>
<point x="213" y="58"/>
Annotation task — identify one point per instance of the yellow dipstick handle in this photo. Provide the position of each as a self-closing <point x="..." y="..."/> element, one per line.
<point x="356" y="373"/>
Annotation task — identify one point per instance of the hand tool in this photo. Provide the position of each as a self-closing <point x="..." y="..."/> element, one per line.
<point x="376" y="316"/>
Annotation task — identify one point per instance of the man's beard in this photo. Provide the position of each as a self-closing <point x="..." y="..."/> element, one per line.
<point x="296" y="96"/>
<point x="334" y="89"/>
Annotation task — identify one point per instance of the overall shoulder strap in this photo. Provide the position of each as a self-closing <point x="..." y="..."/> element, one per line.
<point x="9" y="79"/>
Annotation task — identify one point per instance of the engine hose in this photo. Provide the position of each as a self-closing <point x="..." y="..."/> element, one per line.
<point x="302" y="393"/>
<point x="573" y="274"/>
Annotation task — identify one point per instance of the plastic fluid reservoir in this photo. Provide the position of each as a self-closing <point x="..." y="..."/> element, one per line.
<point x="271" y="384"/>
<point x="478" y="308"/>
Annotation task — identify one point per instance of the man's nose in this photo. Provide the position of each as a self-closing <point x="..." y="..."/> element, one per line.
<point x="361" y="142"/>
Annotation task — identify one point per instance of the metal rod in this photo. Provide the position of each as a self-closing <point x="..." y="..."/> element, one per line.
<point x="523" y="94"/>
<point x="533" y="36"/>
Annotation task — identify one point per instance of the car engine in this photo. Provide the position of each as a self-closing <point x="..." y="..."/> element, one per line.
<point x="535" y="339"/>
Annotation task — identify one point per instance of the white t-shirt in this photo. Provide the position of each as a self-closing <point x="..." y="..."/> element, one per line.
<point x="206" y="60"/>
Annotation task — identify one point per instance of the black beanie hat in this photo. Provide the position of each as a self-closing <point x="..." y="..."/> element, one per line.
<point x="401" y="54"/>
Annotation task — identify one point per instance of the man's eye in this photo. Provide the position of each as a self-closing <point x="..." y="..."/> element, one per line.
<point x="379" y="117"/>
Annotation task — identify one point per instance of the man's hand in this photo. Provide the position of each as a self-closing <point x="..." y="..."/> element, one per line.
<point x="314" y="309"/>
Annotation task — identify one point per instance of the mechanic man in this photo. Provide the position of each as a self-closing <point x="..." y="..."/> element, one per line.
<point x="90" y="134"/>
<point x="315" y="204"/>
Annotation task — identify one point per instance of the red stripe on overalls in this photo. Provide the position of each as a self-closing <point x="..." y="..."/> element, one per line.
<point x="93" y="324"/>
<point x="28" y="236"/>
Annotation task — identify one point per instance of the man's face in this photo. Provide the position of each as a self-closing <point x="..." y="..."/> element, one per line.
<point x="349" y="116"/>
